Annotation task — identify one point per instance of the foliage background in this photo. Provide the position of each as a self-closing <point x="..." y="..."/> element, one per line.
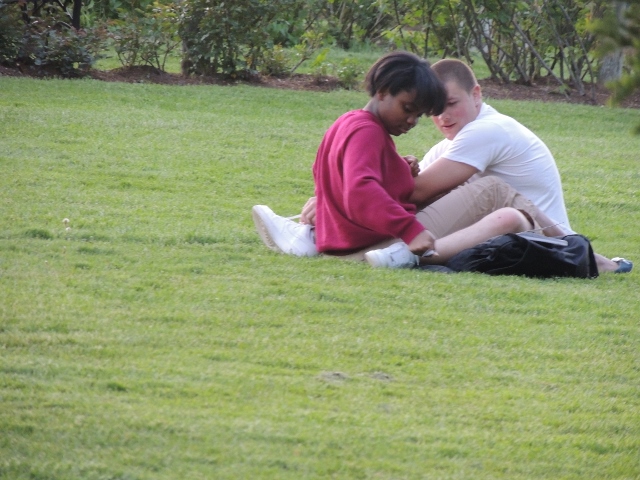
<point x="517" y="41"/>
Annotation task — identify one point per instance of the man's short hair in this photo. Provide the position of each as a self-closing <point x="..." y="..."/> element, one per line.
<point x="451" y="69"/>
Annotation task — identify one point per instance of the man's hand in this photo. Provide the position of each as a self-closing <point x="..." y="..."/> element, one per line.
<point x="308" y="214"/>
<point x="414" y="164"/>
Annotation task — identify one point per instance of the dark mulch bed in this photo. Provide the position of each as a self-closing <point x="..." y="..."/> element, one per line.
<point x="545" y="90"/>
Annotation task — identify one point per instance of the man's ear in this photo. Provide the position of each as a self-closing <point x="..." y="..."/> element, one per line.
<point x="476" y="93"/>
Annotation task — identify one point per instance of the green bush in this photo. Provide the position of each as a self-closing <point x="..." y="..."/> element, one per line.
<point x="275" y="61"/>
<point x="47" y="42"/>
<point x="62" y="50"/>
<point x="349" y="73"/>
<point x="320" y="67"/>
<point x="620" y="29"/>
<point x="10" y="33"/>
<point x="145" y="37"/>
<point x="227" y="38"/>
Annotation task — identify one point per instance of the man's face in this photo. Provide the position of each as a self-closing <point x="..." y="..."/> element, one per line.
<point x="462" y="107"/>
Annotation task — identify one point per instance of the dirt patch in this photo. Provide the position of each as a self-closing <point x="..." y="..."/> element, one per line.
<point x="146" y="74"/>
<point x="545" y="90"/>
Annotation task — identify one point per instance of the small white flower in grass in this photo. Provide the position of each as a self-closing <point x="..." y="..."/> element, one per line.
<point x="66" y="222"/>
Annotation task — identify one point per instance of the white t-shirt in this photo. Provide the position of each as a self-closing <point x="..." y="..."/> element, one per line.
<point x="498" y="145"/>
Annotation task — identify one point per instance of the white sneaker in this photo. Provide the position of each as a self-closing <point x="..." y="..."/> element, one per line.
<point x="283" y="235"/>
<point x="397" y="255"/>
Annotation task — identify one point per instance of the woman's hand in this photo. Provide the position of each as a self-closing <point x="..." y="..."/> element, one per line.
<point x="422" y="243"/>
<point x="414" y="164"/>
<point x="308" y="214"/>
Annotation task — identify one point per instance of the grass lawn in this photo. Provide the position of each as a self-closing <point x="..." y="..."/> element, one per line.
<point x="157" y="338"/>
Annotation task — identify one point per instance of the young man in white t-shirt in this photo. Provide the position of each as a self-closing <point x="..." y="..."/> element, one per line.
<point x="480" y="141"/>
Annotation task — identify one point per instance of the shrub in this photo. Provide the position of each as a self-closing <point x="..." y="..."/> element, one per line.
<point x="320" y="67"/>
<point x="145" y="37"/>
<point x="275" y="61"/>
<point x="47" y="42"/>
<point x="309" y="43"/>
<point x="64" y="49"/>
<point x="11" y="31"/>
<point x="620" y="30"/>
<point x="227" y="38"/>
<point x="349" y="72"/>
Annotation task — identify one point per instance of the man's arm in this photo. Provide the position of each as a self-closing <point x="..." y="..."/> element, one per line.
<point x="440" y="177"/>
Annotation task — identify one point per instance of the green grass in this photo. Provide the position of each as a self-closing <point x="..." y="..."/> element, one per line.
<point x="159" y="339"/>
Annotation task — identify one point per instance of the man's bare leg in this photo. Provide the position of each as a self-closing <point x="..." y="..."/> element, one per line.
<point x="504" y="220"/>
<point x="548" y="227"/>
<point x="604" y="264"/>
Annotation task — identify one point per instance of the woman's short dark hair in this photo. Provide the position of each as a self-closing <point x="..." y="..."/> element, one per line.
<point x="403" y="71"/>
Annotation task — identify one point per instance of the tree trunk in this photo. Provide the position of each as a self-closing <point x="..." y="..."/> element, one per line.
<point x="611" y="65"/>
<point x="77" y="11"/>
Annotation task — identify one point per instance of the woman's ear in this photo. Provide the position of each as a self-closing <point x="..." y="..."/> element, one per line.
<point x="380" y="94"/>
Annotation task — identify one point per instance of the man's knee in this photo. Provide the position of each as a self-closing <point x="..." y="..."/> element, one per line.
<point x="513" y="220"/>
<point x="531" y="222"/>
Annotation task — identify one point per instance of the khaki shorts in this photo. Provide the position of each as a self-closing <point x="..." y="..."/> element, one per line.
<point x="470" y="202"/>
<point x="462" y="207"/>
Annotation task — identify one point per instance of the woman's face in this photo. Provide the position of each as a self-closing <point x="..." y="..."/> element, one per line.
<point x="398" y="113"/>
<point x="462" y="107"/>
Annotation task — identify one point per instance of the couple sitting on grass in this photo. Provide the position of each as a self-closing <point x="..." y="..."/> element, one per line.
<point x="489" y="176"/>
